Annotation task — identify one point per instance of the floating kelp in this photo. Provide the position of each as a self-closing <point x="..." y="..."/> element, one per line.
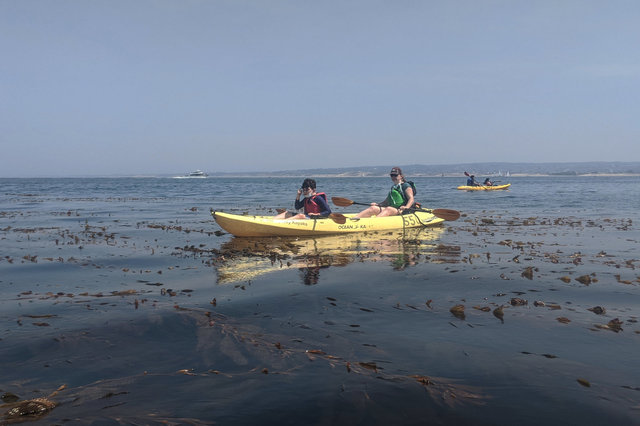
<point x="584" y="382"/>
<point x="528" y="273"/>
<point x="29" y="410"/>
<point x="458" y="311"/>
<point x="517" y="301"/>
<point x="614" y="325"/>
<point x="584" y="279"/>
<point x="16" y="411"/>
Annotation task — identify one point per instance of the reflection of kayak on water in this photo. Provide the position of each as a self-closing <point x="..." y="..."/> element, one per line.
<point x="245" y="259"/>
<point x="267" y="226"/>
<point x="351" y="243"/>
<point x="484" y="188"/>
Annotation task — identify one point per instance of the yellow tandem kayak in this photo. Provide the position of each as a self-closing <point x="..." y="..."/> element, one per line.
<point x="268" y="226"/>
<point x="484" y="188"/>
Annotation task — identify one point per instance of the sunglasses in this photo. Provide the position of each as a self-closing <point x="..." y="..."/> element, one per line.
<point x="393" y="175"/>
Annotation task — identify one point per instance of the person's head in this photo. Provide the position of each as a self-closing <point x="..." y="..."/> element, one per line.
<point x="396" y="172"/>
<point x="486" y="180"/>
<point x="308" y="184"/>
<point x="473" y="177"/>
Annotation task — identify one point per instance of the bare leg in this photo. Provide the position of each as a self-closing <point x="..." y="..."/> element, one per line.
<point x="289" y="215"/>
<point x="370" y="211"/>
<point x="388" y="211"/>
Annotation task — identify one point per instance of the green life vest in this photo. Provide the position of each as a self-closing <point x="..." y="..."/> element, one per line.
<point x="396" y="196"/>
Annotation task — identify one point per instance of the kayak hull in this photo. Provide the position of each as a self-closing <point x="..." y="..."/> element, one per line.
<point x="484" y="188"/>
<point x="268" y="226"/>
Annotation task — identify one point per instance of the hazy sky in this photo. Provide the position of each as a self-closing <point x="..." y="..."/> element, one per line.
<point x="158" y="86"/>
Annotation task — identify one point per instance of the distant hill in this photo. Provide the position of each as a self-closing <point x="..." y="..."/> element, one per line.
<point x="479" y="169"/>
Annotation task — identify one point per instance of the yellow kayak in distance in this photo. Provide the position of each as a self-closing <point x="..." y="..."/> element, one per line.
<point x="484" y="188"/>
<point x="268" y="226"/>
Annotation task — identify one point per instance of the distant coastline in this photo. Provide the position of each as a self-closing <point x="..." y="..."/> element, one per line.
<point x="502" y="170"/>
<point x="445" y="175"/>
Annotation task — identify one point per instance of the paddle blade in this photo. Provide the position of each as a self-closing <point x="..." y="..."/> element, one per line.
<point x="338" y="218"/>
<point x="466" y="174"/>
<point x="446" y="214"/>
<point x="341" y="202"/>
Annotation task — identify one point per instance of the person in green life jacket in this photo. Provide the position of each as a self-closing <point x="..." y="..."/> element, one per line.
<point x="400" y="198"/>
<point x="314" y="203"/>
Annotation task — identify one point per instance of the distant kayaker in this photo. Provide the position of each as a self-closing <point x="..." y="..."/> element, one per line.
<point x="314" y="203"/>
<point x="400" y="198"/>
<point x="471" y="181"/>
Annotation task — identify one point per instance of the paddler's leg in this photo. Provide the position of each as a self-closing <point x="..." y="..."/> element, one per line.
<point x="373" y="210"/>
<point x="286" y="215"/>
<point x="389" y="211"/>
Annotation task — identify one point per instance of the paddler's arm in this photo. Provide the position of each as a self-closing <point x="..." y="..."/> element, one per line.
<point x="325" y="210"/>
<point x="299" y="204"/>
<point x="385" y="203"/>
<point x="410" y="201"/>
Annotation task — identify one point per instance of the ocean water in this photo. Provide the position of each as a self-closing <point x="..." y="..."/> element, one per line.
<point x="123" y="302"/>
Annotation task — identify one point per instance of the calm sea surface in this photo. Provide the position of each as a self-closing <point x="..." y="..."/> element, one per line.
<point x="122" y="301"/>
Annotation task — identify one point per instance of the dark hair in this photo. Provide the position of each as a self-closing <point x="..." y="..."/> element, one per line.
<point x="309" y="183"/>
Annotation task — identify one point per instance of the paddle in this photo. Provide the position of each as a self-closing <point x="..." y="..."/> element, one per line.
<point x="345" y="202"/>
<point x="336" y="217"/>
<point x="446" y="214"/>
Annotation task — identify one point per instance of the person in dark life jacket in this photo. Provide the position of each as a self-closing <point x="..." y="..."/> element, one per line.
<point x="314" y="203"/>
<point x="399" y="199"/>
<point x="487" y="182"/>
<point x="471" y="181"/>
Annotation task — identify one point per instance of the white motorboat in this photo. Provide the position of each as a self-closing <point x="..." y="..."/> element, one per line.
<point x="197" y="174"/>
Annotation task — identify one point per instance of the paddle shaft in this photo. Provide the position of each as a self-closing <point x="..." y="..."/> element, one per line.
<point x="446" y="214"/>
